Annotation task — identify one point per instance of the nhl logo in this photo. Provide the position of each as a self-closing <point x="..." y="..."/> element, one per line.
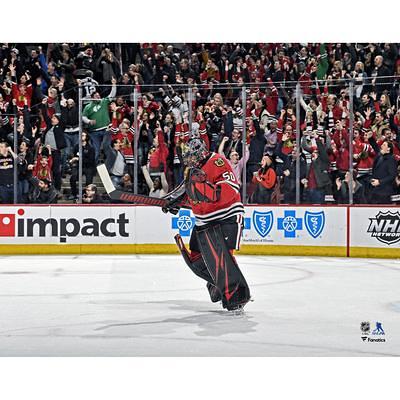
<point x="365" y="327"/>
<point x="385" y="227"/>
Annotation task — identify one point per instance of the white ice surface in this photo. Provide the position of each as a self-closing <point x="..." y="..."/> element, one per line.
<point x="155" y="306"/>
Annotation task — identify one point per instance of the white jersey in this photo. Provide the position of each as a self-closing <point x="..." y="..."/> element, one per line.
<point x="89" y="86"/>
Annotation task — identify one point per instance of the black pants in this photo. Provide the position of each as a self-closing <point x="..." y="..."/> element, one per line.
<point x="89" y="175"/>
<point x="7" y="194"/>
<point x="378" y="198"/>
<point x="289" y="197"/>
<point x="261" y="195"/>
<point x="129" y="52"/>
<point x="231" y="228"/>
<point x="56" y="169"/>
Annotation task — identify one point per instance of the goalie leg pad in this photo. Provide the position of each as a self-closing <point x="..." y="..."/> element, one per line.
<point x="196" y="263"/>
<point x="223" y="268"/>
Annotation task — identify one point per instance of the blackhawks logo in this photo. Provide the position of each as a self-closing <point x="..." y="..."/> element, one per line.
<point x="219" y="162"/>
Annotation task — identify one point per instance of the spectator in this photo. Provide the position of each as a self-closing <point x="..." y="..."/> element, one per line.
<point x="378" y="125"/>
<point x="91" y="195"/>
<point x="125" y="134"/>
<point x="126" y="183"/>
<point x="265" y="180"/>
<point x="397" y="186"/>
<point x="88" y="165"/>
<point x="23" y="90"/>
<point x="257" y="144"/>
<point x="7" y="157"/>
<point x="158" y="186"/>
<point x="233" y="144"/>
<point x="54" y="139"/>
<point x="178" y="165"/>
<point x="43" y="191"/>
<point x="318" y="182"/>
<point x="159" y="152"/>
<point x="384" y="172"/>
<point x="341" y="193"/>
<point x="85" y="60"/>
<point x="145" y="140"/>
<point x="359" y="77"/>
<point x="379" y="82"/>
<point x="234" y="160"/>
<point x="115" y="161"/>
<point x="107" y="66"/>
<point x="26" y="161"/>
<point x="44" y="164"/>
<point x="97" y="116"/>
<point x="289" y="171"/>
<point x="70" y="121"/>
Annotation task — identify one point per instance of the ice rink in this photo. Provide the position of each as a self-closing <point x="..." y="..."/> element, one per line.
<point x="149" y="305"/>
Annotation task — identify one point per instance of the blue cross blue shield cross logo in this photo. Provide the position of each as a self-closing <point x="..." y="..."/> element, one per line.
<point x="263" y="221"/>
<point x="290" y="224"/>
<point x="184" y="222"/>
<point x="315" y="222"/>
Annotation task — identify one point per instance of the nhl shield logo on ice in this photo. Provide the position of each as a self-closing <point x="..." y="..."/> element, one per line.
<point x="263" y="222"/>
<point x="315" y="222"/>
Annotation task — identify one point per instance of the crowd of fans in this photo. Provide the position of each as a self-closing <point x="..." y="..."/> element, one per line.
<point x="39" y="92"/>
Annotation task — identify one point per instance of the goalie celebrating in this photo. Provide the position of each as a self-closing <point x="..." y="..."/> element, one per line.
<point x="212" y="191"/>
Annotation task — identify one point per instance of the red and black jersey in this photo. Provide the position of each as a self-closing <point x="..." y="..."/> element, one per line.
<point x="219" y="177"/>
<point x="21" y="92"/>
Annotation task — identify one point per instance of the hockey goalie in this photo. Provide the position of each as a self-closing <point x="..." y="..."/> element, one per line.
<point x="212" y="191"/>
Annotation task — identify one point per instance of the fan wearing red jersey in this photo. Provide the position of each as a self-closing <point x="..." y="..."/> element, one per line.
<point x="212" y="191"/>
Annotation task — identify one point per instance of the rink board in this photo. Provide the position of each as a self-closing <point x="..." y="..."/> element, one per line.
<point x="375" y="231"/>
<point x="127" y="229"/>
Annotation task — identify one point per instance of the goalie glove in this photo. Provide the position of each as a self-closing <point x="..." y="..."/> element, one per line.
<point x="199" y="189"/>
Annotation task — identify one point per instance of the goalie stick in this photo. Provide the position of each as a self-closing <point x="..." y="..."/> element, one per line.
<point x="129" y="197"/>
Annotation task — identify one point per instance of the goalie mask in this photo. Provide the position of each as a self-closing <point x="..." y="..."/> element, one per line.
<point x="194" y="153"/>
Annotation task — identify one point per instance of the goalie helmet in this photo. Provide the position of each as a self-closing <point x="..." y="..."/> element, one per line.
<point x="194" y="152"/>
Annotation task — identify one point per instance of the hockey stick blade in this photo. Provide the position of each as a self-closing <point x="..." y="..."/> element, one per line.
<point x="105" y="178"/>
